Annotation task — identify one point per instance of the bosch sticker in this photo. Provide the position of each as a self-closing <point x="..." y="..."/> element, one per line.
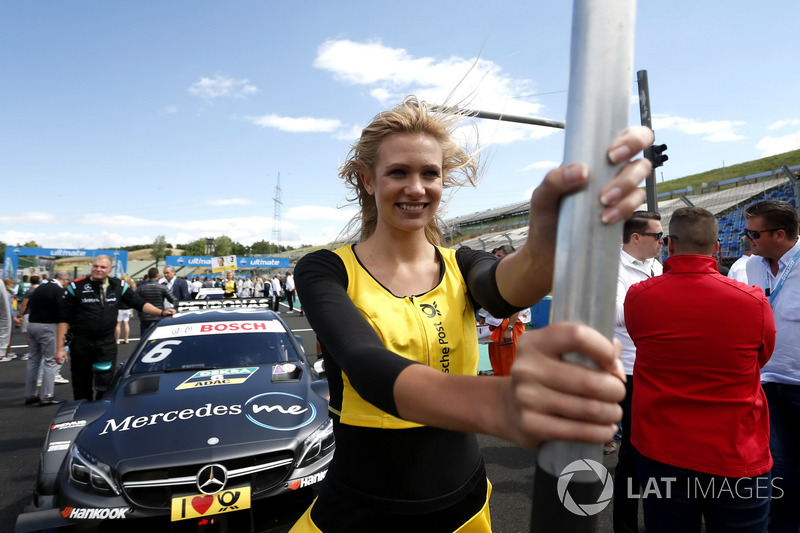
<point x="217" y="328"/>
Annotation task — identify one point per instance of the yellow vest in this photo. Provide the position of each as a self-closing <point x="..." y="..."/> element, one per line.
<point x="436" y="329"/>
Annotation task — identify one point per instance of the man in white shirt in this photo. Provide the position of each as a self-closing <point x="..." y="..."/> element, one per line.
<point x="246" y="290"/>
<point x="738" y="270"/>
<point x="642" y="239"/>
<point x="290" y="288"/>
<point x="195" y="287"/>
<point x="771" y="227"/>
<point x="276" y="292"/>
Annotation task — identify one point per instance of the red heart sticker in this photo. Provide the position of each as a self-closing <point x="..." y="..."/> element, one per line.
<point x="202" y="503"/>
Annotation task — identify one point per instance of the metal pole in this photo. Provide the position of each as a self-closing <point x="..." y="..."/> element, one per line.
<point x="587" y="251"/>
<point x="646" y="117"/>
<point x="500" y="116"/>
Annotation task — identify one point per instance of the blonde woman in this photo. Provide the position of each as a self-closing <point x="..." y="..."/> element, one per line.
<point x="395" y="315"/>
<point x="124" y="316"/>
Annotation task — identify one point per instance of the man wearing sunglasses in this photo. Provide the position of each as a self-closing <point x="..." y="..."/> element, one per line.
<point x="700" y="339"/>
<point x="772" y="227"/>
<point x="642" y="237"/>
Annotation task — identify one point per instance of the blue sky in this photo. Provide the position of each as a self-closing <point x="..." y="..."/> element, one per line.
<point x="126" y="120"/>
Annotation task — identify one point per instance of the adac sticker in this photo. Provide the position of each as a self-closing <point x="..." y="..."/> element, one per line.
<point x="218" y="376"/>
<point x="171" y="331"/>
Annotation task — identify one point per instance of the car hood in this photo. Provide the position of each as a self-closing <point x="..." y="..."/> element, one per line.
<point x="204" y="415"/>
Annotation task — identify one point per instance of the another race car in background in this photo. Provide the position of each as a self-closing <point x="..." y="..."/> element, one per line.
<point x="217" y="422"/>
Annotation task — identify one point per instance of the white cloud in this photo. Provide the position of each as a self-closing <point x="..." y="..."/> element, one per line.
<point x="316" y="212"/>
<point x="115" y="221"/>
<point x="712" y="130"/>
<point x="783" y="123"/>
<point x="778" y="145"/>
<point x="229" y="201"/>
<point x="541" y="165"/>
<point x="306" y="224"/>
<point x="349" y="134"/>
<point x="98" y="240"/>
<point x="222" y="86"/>
<point x="169" y="110"/>
<point x="473" y="83"/>
<point x="27" y="219"/>
<point x="296" y="124"/>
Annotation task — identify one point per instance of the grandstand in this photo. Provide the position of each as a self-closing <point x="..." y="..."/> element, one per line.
<point x="726" y="199"/>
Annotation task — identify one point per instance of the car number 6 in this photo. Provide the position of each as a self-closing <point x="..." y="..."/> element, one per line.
<point x="160" y="352"/>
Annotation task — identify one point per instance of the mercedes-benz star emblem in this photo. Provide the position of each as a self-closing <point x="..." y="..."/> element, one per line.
<point x="212" y="478"/>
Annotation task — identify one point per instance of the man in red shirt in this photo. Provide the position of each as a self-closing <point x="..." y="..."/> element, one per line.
<point x="701" y="340"/>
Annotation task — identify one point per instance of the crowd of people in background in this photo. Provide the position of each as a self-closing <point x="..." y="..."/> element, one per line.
<point x="712" y="359"/>
<point x="736" y="407"/>
<point x="59" y="326"/>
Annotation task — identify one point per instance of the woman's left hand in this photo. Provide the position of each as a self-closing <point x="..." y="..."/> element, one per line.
<point x="620" y="197"/>
<point x="527" y="275"/>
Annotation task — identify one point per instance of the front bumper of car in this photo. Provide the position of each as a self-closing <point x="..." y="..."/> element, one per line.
<point x="83" y="509"/>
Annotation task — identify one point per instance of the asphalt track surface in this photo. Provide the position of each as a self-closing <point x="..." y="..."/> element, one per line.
<point x="511" y="469"/>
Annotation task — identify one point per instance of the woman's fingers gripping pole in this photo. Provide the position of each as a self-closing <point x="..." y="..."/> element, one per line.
<point x="556" y="399"/>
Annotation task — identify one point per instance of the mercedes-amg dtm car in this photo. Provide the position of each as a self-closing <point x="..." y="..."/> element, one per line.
<point x="217" y="422"/>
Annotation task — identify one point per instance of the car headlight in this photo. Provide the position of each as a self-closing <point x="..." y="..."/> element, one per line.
<point x="88" y="471"/>
<point x="317" y="445"/>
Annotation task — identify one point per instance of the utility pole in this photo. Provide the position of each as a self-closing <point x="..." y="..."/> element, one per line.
<point x="651" y="188"/>
<point x="276" y="217"/>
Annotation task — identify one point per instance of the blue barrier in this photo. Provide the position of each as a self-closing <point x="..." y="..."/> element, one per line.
<point x="540" y="313"/>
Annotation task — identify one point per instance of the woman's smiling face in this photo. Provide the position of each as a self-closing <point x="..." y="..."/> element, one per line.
<point x="407" y="181"/>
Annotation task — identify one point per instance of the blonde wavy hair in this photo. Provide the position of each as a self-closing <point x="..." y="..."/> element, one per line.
<point x="129" y="281"/>
<point x="459" y="167"/>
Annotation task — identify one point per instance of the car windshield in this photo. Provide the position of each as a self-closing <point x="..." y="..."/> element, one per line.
<point x="222" y="344"/>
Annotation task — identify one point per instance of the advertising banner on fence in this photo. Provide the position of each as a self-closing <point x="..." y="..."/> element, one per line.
<point x="119" y="258"/>
<point x="223" y="263"/>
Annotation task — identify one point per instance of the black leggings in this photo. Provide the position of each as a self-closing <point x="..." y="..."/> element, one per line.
<point x="83" y="353"/>
<point x="340" y="509"/>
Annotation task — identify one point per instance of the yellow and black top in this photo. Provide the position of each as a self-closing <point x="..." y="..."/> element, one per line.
<point x="436" y="328"/>
<point x="368" y="336"/>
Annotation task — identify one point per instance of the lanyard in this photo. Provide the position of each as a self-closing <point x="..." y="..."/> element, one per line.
<point x="774" y="294"/>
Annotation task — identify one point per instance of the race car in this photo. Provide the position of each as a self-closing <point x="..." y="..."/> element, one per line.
<point x="217" y="422"/>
